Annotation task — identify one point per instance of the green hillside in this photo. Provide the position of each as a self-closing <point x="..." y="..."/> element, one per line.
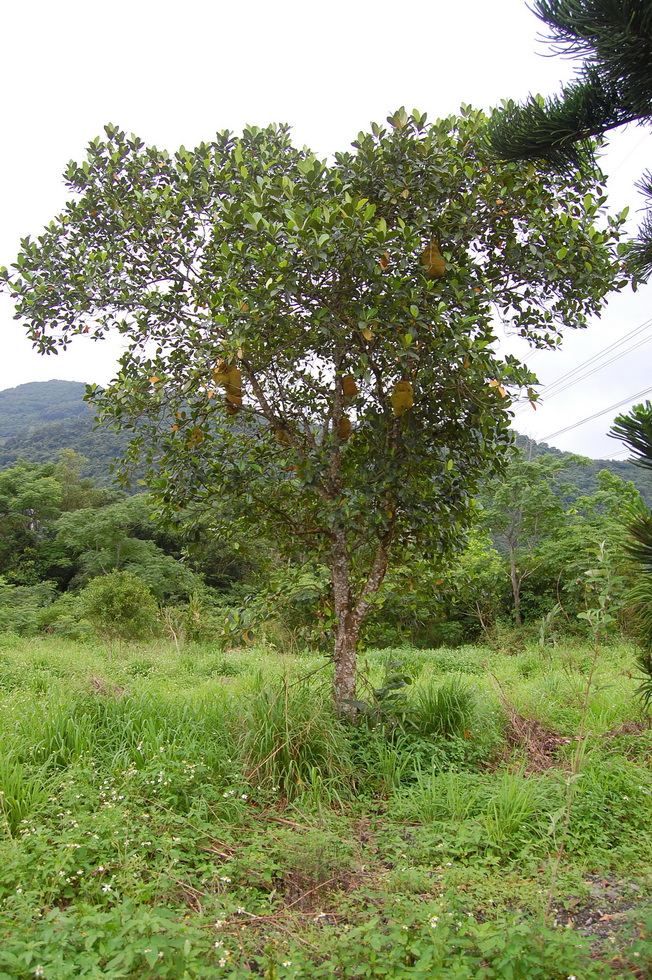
<point x="585" y="477"/>
<point x="39" y="419"/>
<point x="38" y="403"/>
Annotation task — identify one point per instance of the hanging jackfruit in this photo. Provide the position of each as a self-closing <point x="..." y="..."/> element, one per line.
<point x="228" y="376"/>
<point x="221" y="373"/>
<point x="231" y="407"/>
<point x="282" y="437"/>
<point x="402" y="397"/>
<point x="196" y="437"/>
<point x="233" y="387"/>
<point x="349" y="387"/>
<point x="433" y="261"/>
<point x="343" y="429"/>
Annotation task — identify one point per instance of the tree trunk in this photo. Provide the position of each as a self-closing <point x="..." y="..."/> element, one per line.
<point x="346" y="635"/>
<point x="350" y="617"/>
<point x="516" y="586"/>
<point x="516" y="592"/>
<point x="344" y="679"/>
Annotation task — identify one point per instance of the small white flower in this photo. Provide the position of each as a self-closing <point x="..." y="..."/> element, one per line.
<point x="39" y="971"/>
<point x="240" y="910"/>
<point x="221" y="962"/>
<point x="224" y="878"/>
<point x="286" y="963"/>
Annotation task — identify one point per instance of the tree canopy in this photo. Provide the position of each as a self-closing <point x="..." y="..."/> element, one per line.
<point x="314" y="344"/>
<point x="613" y="87"/>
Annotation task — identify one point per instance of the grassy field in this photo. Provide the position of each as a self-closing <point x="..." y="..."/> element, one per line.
<point x="201" y="814"/>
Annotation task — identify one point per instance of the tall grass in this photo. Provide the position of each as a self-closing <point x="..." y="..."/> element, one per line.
<point x="446" y="709"/>
<point x="444" y="796"/>
<point x="21" y="792"/>
<point x="290" y="738"/>
<point x="518" y="811"/>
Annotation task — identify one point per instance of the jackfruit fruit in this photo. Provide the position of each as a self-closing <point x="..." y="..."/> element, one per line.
<point x="228" y="376"/>
<point x="433" y="261"/>
<point x="402" y="397"/>
<point x="349" y="387"/>
<point x="344" y="429"/>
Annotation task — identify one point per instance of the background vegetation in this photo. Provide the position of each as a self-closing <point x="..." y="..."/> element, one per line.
<point x="61" y="528"/>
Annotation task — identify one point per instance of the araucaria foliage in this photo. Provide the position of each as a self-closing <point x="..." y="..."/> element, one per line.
<point x="635" y="430"/>
<point x="314" y="344"/>
<point x="613" y="87"/>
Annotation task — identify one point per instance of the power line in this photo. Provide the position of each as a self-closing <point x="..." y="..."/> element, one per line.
<point x="606" y="350"/>
<point x="623" y="452"/>
<point x="599" y="367"/>
<point x="596" y="415"/>
<point x="556" y="387"/>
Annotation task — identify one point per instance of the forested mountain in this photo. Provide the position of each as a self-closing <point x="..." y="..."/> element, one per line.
<point x="585" y="477"/>
<point x="39" y="419"/>
<point x="38" y="403"/>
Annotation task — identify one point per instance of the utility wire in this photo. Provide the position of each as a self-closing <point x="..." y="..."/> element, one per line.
<point x="596" y="415"/>
<point x="631" y="153"/>
<point x="556" y="387"/>
<point x="607" y="350"/>
<point x="597" y="368"/>
<point x="623" y="452"/>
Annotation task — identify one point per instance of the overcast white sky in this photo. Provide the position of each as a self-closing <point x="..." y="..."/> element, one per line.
<point x="176" y="73"/>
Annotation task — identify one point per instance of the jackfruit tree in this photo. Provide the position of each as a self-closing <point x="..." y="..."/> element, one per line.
<point x="311" y="346"/>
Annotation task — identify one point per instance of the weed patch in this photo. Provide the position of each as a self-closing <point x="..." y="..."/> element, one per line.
<point x="170" y="817"/>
